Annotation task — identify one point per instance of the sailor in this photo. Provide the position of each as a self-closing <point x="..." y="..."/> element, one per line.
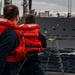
<point x="31" y="33"/>
<point x="12" y="45"/>
<point x="34" y="42"/>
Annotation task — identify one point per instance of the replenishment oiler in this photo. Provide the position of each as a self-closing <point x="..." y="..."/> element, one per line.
<point x="59" y="56"/>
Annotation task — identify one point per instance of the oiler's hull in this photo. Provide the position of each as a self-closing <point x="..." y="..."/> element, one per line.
<point x="62" y="31"/>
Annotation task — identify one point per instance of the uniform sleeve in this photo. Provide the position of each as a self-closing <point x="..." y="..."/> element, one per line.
<point x="43" y="40"/>
<point x="8" y="41"/>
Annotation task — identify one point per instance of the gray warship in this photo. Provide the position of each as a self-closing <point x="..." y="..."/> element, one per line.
<point x="59" y="56"/>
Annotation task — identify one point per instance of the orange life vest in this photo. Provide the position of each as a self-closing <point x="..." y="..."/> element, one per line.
<point x="19" y="52"/>
<point x="31" y="33"/>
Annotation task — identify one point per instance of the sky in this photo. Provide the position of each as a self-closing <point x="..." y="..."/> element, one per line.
<point x="47" y="5"/>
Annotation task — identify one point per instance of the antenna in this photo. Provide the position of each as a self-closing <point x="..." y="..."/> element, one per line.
<point x="70" y="6"/>
<point x="0" y="6"/>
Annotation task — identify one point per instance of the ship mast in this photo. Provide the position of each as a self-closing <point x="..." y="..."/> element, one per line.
<point x="7" y="2"/>
<point x="69" y="8"/>
<point x="25" y="8"/>
<point x="30" y="6"/>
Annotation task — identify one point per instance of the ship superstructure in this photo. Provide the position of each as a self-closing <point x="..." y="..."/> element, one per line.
<point x="7" y="2"/>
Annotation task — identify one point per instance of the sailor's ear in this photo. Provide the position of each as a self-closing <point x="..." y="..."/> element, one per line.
<point x="17" y="18"/>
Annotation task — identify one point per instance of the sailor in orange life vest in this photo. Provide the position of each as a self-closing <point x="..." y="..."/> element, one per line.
<point x="12" y="45"/>
<point x="34" y="42"/>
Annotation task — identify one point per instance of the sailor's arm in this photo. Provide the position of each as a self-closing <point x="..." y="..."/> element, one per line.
<point x="7" y="43"/>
